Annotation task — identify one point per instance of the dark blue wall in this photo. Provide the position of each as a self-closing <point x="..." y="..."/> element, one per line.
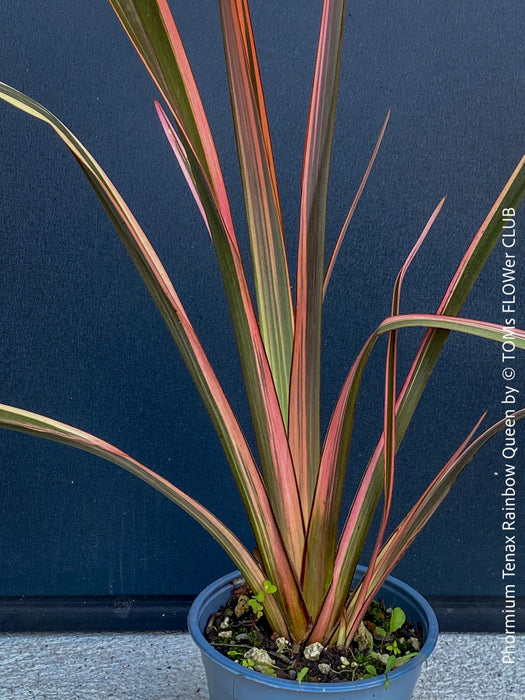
<point x="82" y="342"/>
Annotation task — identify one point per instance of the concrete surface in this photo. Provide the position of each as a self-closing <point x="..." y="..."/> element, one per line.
<point x="162" y="666"/>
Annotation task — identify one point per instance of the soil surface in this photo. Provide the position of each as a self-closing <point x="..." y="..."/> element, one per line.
<point x="239" y="631"/>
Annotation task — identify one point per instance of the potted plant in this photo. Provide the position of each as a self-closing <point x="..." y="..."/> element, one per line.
<point x="303" y="573"/>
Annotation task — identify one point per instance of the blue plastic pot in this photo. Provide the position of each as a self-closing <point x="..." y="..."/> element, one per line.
<point x="230" y="681"/>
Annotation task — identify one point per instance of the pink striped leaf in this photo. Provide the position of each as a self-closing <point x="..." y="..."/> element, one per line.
<point x="151" y="28"/>
<point x="40" y="426"/>
<point x="304" y="422"/>
<point x="358" y="521"/>
<point x="183" y="160"/>
<point x="152" y="31"/>
<point x="252" y="489"/>
<point x="369" y="492"/>
<point x="278" y="472"/>
<point x="353" y="618"/>
<point x="263" y="210"/>
<point x="406" y="532"/>
<point x="460" y="287"/>
<point x="320" y="551"/>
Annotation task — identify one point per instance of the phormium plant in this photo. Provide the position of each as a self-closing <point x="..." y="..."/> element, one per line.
<point x="292" y="490"/>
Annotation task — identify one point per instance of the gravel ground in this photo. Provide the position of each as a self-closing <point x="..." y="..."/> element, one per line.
<point x="162" y="666"/>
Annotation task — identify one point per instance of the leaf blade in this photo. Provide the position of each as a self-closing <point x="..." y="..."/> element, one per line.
<point x="412" y="524"/>
<point x="320" y="550"/>
<point x="369" y="490"/>
<point x="353" y="206"/>
<point x="151" y="29"/>
<point x="12" y="418"/>
<point x="263" y="210"/>
<point x="356" y="525"/>
<point x="389" y="431"/>
<point x="304" y="423"/>
<point x="277" y="468"/>
<point x="244" y="469"/>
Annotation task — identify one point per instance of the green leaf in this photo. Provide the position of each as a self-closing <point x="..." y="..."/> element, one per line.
<point x="267" y="671"/>
<point x="301" y="675"/>
<point x="401" y="661"/>
<point x="269" y="587"/>
<point x="390" y="663"/>
<point x="371" y="669"/>
<point x="397" y="620"/>
<point x="256" y="605"/>
<point x="380" y="631"/>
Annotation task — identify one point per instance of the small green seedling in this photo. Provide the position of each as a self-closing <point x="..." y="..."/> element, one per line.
<point x="393" y="648"/>
<point x="390" y="663"/>
<point x="301" y="675"/>
<point x="397" y="620"/>
<point x="395" y="662"/>
<point x="256" y="602"/>
<point x="254" y="665"/>
<point x="403" y="659"/>
<point x="371" y="671"/>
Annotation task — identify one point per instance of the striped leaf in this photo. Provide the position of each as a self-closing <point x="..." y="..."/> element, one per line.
<point x="252" y="489"/>
<point x="304" y="423"/>
<point x="263" y="209"/>
<point x="151" y="27"/>
<point x="370" y="488"/>
<point x="320" y="548"/>
<point x="353" y="206"/>
<point x="43" y="427"/>
<point x="406" y="532"/>
<point x="353" y="617"/>
<point x="152" y="31"/>
<point x="356" y="526"/>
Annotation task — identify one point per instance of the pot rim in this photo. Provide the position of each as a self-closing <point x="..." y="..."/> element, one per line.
<point x="367" y="683"/>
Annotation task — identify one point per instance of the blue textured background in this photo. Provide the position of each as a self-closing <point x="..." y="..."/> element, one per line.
<point x="82" y="342"/>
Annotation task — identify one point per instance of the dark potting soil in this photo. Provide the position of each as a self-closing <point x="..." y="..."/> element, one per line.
<point x="243" y="635"/>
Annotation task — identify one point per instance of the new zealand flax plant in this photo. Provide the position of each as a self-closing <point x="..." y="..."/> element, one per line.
<point x="292" y="489"/>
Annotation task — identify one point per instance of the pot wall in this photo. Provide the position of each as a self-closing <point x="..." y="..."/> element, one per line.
<point x="229" y="681"/>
